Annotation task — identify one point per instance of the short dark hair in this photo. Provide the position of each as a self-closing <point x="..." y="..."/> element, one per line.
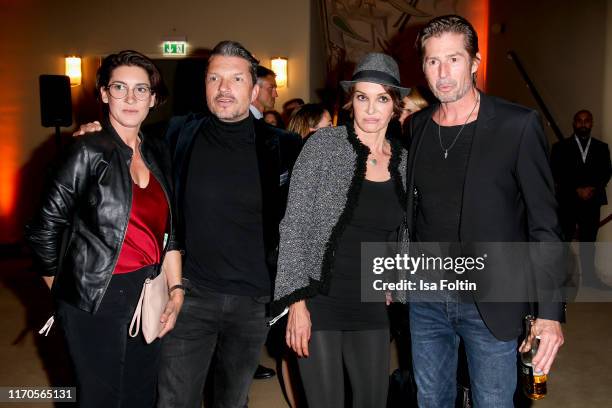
<point x="263" y="72"/>
<point x="448" y="24"/>
<point x="132" y="59"/>
<point x="280" y="123"/>
<point x="396" y="97"/>
<point x="588" y="112"/>
<point x="235" y="49"/>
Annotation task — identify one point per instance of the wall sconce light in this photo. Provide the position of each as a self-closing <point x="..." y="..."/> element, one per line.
<point x="279" y="66"/>
<point x="73" y="70"/>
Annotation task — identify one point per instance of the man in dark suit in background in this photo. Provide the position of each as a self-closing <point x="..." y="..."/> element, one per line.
<point x="581" y="168"/>
<point x="478" y="172"/>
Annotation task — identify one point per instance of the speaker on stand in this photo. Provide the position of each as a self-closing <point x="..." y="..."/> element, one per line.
<point x="55" y="104"/>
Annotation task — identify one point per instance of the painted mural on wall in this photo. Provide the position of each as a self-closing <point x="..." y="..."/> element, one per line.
<point x="356" y="27"/>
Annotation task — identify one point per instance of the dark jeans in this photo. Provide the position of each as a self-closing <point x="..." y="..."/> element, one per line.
<point x="112" y="369"/>
<point x="364" y="354"/>
<point x="436" y="329"/>
<point x="230" y="327"/>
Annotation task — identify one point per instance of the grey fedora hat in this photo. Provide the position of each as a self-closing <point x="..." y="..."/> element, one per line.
<point x="377" y="68"/>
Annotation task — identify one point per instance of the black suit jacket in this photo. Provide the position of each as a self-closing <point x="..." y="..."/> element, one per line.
<point x="276" y="152"/>
<point x="570" y="172"/>
<point x="508" y="196"/>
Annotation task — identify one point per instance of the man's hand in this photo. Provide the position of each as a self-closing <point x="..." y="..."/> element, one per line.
<point x="173" y="307"/>
<point x="585" y="193"/>
<point x="90" y="127"/>
<point x="297" y="335"/>
<point x="551" y="338"/>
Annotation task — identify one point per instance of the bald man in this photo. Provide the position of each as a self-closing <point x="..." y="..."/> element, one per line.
<point x="581" y="168"/>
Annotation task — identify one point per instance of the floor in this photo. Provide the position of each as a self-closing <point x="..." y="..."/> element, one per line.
<point x="581" y="376"/>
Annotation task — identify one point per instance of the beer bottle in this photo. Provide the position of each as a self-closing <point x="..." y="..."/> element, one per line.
<point x="533" y="382"/>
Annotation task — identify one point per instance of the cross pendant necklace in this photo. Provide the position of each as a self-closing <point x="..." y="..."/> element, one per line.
<point x="446" y="149"/>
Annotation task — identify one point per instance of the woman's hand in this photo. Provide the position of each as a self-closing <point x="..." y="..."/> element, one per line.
<point x="173" y="308"/>
<point x="298" y="328"/>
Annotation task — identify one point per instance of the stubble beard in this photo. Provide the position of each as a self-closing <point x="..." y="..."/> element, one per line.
<point x="234" y="114"/>
<point x="453" y="96"/>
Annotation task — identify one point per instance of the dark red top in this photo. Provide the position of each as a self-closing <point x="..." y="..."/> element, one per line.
<point x="144" y="238"/>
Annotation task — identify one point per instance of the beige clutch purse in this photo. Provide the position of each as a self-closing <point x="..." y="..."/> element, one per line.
<point x="153" y="300"/>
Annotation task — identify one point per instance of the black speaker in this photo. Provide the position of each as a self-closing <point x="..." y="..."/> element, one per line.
<point x="55" y="100"/>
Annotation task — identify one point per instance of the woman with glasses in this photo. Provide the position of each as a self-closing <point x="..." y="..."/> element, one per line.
<point x="106" y="225"/>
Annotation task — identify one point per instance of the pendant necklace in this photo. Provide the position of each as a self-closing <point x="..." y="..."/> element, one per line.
<point x="373" y="160"/>
<point x="446" y="149"/>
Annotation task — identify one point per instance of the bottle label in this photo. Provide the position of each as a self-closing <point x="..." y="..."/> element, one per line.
<point x="534" y="384"/>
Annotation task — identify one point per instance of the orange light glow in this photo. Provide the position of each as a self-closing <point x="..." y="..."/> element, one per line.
<point x="73" y="70"/>
<point x="12" y="134"/>
<point x="279" y="66"/>
<point x="481" y="25"/>
<point x="9" y="169"/>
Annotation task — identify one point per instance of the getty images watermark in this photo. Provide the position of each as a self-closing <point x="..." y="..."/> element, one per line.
<point x="481" y="271"/>
<point x="411" y="265"/>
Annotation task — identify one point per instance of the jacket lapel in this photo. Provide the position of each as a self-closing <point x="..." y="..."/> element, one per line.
<point x="421" y="123"/>
<point x="483" y="131"/>
<point x="268" y="161"/>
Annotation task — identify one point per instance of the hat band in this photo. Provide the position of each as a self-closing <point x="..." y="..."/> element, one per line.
<point x="382" y="76"/>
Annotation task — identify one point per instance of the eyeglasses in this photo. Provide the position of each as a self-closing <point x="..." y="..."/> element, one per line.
<point x="119" y="91"/>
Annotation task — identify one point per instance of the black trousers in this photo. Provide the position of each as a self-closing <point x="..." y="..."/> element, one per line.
<point x="585" y="216"/>
<point x="112" y="369"/>
<point x="364" y="354"/>
<point x="229" y="328"/>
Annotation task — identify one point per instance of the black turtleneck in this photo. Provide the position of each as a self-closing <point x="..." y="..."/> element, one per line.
<point x="223" y="203"/>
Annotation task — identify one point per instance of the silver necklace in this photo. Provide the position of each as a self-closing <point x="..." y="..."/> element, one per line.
<point x="446" y="149"/>
<point x="373" y="160"/>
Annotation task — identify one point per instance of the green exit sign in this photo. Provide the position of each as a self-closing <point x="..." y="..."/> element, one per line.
<point x="175" y="48"/>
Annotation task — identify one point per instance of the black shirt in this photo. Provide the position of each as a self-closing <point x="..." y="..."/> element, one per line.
<point x="223" y="208"/>
<point x="375" y="219"/>
<point x="439" y="182"/>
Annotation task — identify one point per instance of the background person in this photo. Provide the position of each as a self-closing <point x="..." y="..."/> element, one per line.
<point x="273" y="118"/>
<point x="412" y="103"/>
<point x="308" y="118"/>
<point x="348" y="187"/>
<point x="266" y="97"/>
<point x="581" y="167"/>
<point x="289" y="107"/>
<point x="113" y="197"/>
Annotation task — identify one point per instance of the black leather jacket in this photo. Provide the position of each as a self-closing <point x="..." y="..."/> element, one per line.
<point x="91" y="196"/>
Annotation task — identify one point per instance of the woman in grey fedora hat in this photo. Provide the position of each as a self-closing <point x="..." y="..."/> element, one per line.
<point x="348" y="187"/>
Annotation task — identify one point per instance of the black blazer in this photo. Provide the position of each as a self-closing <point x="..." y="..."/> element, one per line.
<point x="276" y="152"/>
<point x="570" y="173"/>
<point x="507" y="196"/>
